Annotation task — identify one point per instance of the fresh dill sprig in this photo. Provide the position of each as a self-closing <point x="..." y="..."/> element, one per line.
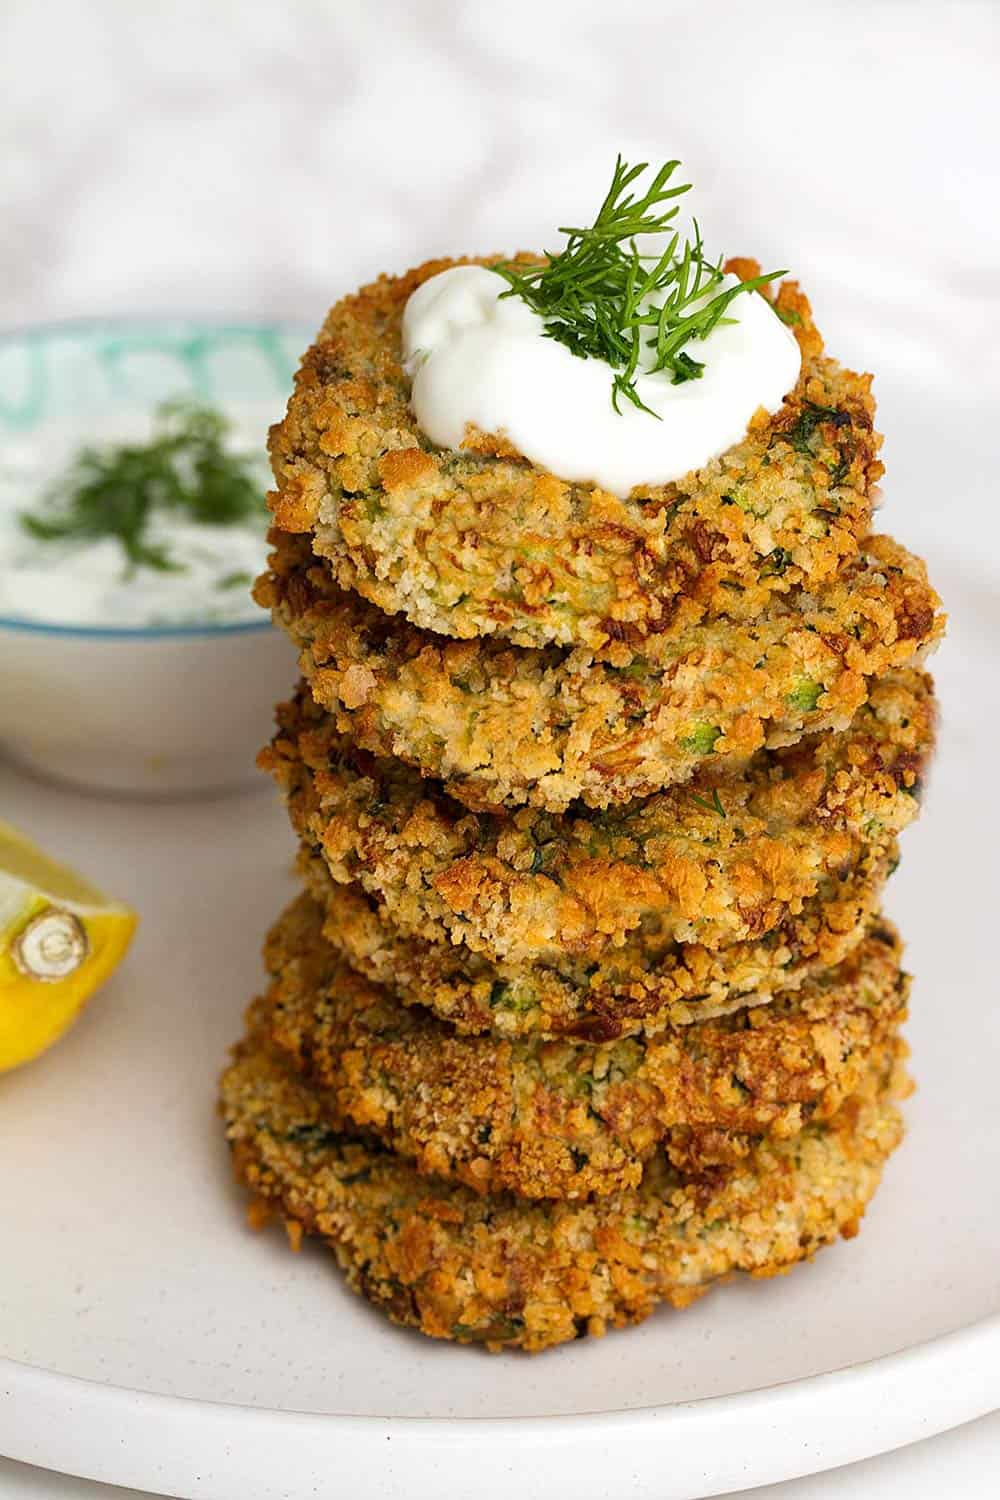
<point x="115" y="491"/>
<point x="604" y="299"/>
<point x="715" y="806"/>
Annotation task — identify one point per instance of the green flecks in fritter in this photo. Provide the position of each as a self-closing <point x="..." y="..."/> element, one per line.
<point x="812" y="416"/>
<point x="804" y="695"/>
<point x="701" y="740"/>
<point x="776" y="562"/>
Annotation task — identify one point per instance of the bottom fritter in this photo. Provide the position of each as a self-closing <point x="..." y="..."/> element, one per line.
<point x="506" y="1273"/>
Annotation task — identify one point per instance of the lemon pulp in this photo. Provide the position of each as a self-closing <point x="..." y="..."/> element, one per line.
<point x="60" y="939"/>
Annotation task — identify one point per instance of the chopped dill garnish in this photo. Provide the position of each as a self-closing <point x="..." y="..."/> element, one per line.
<point x="713" y="806"/>
<point x="604" y="299"/>
<point x="184" y="468"/>
<point x="235" y="581"/>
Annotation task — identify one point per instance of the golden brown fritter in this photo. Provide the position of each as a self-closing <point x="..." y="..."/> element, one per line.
<point x="507" y="1273"/>
<point x="647" y="983"/>
<point x="477" y="541"/>
<point x="503" y="725"/>
<point x="722" y="859"/>
<point x="567" y="1119"/>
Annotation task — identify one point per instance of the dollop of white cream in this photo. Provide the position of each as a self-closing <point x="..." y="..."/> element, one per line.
<point x="477" y="357"/>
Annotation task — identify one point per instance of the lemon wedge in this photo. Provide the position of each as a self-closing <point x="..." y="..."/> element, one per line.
<point x="60" y="939"/>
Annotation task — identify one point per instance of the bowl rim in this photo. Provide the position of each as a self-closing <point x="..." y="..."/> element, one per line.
<point x="53" y="327"/>
<point x="15" y="623"/>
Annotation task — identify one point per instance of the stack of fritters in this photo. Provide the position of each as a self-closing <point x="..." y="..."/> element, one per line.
<point x="587" y="1001"/>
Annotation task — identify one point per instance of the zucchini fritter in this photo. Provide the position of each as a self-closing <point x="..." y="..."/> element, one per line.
<point x="566" y="1119"/>
<point x="508" y="1273"/>
<point x="647" y="983"/>
<point x="722" y="859"/>
<point x="500" y="724"/>
<point x="478" y="541"/>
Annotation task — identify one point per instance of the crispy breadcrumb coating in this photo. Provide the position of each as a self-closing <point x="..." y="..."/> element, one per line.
<point x="500" y="724"/>
<point x="567" y="1119"/>
<point x="478" y="541"/>
<point x="647" y="983"/>
<point x="722" y="859"/>
<point x="508" y="1273"/>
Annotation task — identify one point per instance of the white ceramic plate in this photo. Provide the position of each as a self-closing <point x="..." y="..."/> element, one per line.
<point x="151" y="1340"/>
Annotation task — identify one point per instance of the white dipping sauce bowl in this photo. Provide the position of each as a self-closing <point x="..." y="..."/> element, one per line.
<point x="152" y="712"/>
<point x="158" y="710"/>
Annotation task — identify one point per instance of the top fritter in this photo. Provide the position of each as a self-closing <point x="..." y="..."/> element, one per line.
<point x="477" y="539"/>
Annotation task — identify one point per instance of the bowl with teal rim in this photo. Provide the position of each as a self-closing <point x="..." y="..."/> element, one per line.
<point x="153" y="708"/>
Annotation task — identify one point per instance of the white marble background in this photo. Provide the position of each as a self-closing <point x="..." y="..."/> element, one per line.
<point x="212" y="153"/>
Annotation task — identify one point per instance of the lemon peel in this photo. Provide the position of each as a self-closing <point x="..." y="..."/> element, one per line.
<point x="60" y="939"/>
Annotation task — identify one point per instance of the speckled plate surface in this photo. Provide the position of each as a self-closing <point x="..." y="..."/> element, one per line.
<point x="150" y="1339"/>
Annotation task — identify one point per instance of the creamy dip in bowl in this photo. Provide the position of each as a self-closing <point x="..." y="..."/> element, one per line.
<point x="149" y="680"/>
